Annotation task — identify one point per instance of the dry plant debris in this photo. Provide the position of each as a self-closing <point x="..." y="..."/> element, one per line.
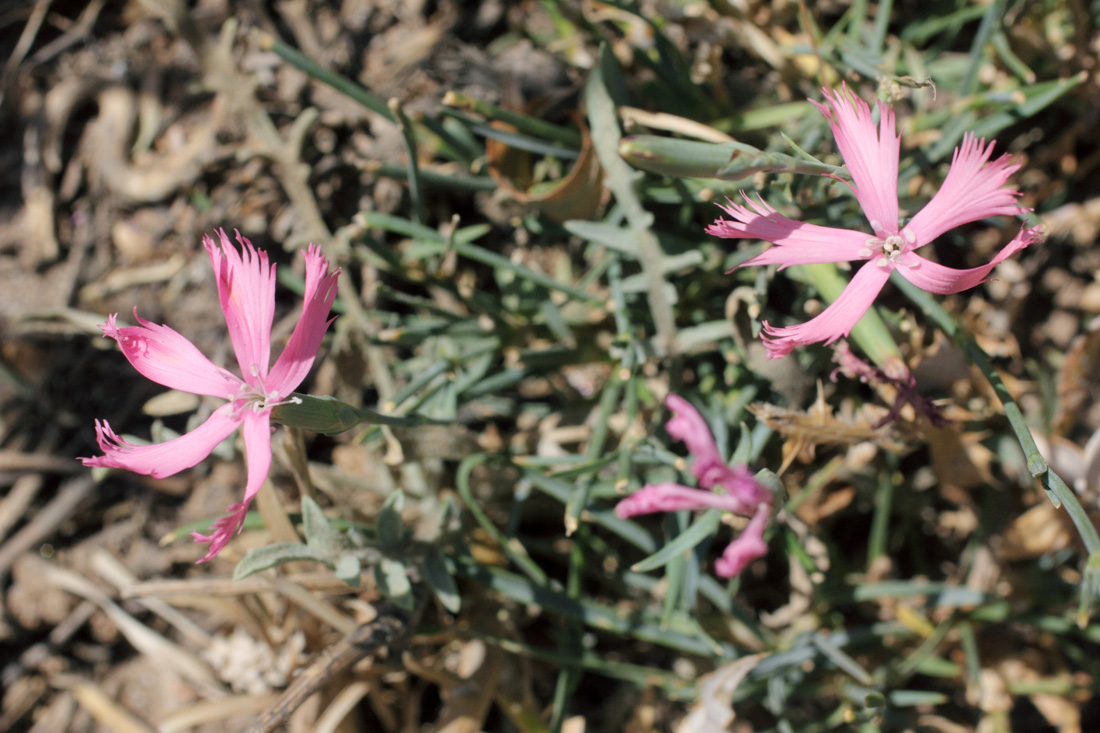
<point x="514" y="281"/>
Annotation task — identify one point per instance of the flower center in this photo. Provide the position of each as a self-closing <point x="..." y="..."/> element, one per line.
<point x="258" y="400"/>
<point x="890" y="249"/>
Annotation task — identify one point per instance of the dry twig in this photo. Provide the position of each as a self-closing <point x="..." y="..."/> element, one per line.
<point x="390" y="628"/>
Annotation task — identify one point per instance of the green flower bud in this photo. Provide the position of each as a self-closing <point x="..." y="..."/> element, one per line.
<point x="326" y="415"/>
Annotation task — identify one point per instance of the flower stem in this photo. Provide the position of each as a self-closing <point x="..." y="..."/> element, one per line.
<point x="1057" y="490"/>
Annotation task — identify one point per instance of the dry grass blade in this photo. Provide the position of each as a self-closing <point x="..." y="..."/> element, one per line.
<point x="46" y="520"/>
<point x="141" y="636"/>
<point x="227" y="587"/>
<point x="314" y="605"/>
<point x="672" y="123"/>
<point x="18" y="461"/>
<point x="339" y="708"/>
<point x="115" y="573"/>
<point x="15" y="502"/>
<point x="207" y="712"/>
<point x="108" y="713"/>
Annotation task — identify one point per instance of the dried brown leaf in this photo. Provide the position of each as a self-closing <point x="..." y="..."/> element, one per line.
<point x="959" y="460"/>
<point x="805" y="430"/>
<point x="578" y="195"/>
<point x="1077" y="379"/>
<point x="1038" y="531"/>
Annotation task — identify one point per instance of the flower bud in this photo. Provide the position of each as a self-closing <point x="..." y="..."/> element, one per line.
<point x="326" y="415"/>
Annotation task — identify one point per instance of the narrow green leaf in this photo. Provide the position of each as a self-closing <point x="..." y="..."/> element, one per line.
<point x="389" y="520"/>
<point x="629" y="530"/>
<point x="320" y="534"/>
<point x="263" y="558"/>
<point x="595" y="615"/>
<point x="603" y="121"/>
<point x="439" y="580"/>
<point x="470" y="251"/>
<point x="743" y="452"/>
<point x="703" y="527"/>
<point x="522" y="122"/>
<point x="609" y="235"/>
<point x="841" y="659"/>
<point x="340" y="83"/>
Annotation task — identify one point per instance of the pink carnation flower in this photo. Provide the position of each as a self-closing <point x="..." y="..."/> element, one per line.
<point x="246" y="288"/>
<point x="744" y="495"/>
<point x="973" y="189"/>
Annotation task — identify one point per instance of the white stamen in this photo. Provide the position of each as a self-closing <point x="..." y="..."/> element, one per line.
<point x="892" y="247"/>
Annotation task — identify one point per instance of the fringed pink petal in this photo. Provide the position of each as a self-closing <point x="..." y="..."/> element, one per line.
<point x="835" y="321"/>
<point x="670" y="497"/>
<point x="222" y="531"/>
<point x="748" y="546"/>
<point x="256" y="431"/>
<point x="971" y="191"/>
<point x="167" y="458"/>
<point x="937" y="278"/>
<point x="246" y="288"/>
<point x="797" y="243"/>
<point x="707" y="465"/>
<point x="870" y="155"/>
<point x="166" y="357"/>
<point x="294" y="363"/>
<point x="688" y="426"/>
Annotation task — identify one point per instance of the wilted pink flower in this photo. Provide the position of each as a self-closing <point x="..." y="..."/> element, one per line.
<point x="897" y="376"/>
<point x="972" y="190"/>
<point x="743" y="493"/>
<point x="748" y="546"/>
<point x="246" y="288"/>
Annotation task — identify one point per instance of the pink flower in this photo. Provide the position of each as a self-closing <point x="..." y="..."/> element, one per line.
<point x="748" y="546"/>
<point x="897" y="376"/>
<point x="687" y="425"/>
<point x="743" y="493"/>
<point x="246" y="288"/>
<point x="973" y="190"/>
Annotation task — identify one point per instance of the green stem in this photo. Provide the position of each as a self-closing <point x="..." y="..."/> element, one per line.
<point x="884" y="505"/>
<point x="409" y="136"/>
<point x="342" y="84"/>
<point x="523" y="123"/>
<point x="1059" y="493"/>
<point x="603" y="122"/>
